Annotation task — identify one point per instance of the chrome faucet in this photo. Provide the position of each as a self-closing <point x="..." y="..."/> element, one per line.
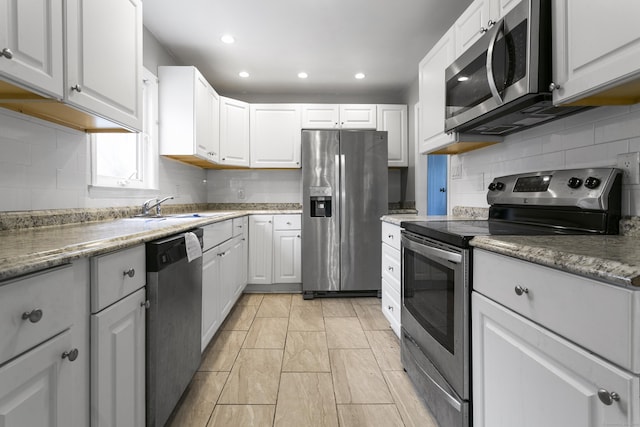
<point x="158" y="202"/>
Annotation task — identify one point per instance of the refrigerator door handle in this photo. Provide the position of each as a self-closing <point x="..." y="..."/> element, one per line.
<point x="343" y="195"/>
<point x="337" y="189"/>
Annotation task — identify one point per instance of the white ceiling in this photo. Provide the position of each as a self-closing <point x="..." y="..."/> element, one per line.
<point x="331" y="40"/>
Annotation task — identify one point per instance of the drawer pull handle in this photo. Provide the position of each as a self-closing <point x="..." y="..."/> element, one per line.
<point x="71" y="355"/>
<point x="288" y="223"/>
<point x="608" y="397"/>
<point x="390" y="268"/>
<point x="34" y="316"/>
<point x="390" y="236"/>
<point x="390" y="308"/>
<point x="520" y="290"/>
<point x="130" y="272"/>
<point x="146" y="304"/>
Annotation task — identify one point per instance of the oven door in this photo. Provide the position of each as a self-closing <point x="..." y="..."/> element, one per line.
<point x="435" y="306"/>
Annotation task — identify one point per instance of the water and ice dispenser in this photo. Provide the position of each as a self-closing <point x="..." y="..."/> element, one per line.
<point x="320" y="201"/>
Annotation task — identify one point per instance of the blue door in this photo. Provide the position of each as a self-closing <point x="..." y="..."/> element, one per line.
<point x="437" y="184"/>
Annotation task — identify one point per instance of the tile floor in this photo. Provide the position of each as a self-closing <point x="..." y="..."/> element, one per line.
<point x="279" y="360"/>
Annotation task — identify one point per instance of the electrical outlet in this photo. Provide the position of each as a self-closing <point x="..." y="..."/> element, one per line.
<point x="630" y="165"/>
<point x="240" y="193"/>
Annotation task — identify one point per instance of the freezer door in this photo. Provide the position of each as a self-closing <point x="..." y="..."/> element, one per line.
<point x="320" y="210"/>
<point x="363" y="200"/>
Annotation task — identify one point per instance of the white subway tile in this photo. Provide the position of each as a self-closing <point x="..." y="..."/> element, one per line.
<point x="14" y="199"/>
<point x="596" y="155"/>
<point x="14" y="151"/>
<point x="13" y="175"/>
<point x="70" y="180"/>
<point x="58" y="199"/>
<point x="618" y="128"/>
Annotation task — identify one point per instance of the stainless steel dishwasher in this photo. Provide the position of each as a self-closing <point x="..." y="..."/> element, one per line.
<point x="174" y="291"/>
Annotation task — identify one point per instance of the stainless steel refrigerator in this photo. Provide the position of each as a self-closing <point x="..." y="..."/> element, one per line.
<point x="344" y="178"/>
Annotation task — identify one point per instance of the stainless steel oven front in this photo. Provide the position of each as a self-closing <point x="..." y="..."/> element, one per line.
<point x="435" y="325"/>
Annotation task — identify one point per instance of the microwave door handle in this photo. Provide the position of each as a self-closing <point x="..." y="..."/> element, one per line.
<point x="497" y="29"/>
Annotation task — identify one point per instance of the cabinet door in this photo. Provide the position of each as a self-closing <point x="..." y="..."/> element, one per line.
<point x="520" y="368"/>
<point x="104" y="59"/>
<point x="31" y="34"/>
<point x="260" y="249"/>
<point x="500" y="8"/>
<point x="275" y="135"/>
<point x="207" y="136"/>
<point x="237" y="260"/>
<point x="431" y="80"/>
<point x="234" y="132"/>
<point x="358" y="116"/>
<point x="35" y="388"/>
<point x="228" y="276"/>
<point x="211" y="296"/>
<point x="287" y="247"/>
<point x="393" y="119"/>
<point x="471" y="25"/>
<point x="320" y="116"/>
<point x="118" y="363"/>
<point x="595" y="46"/>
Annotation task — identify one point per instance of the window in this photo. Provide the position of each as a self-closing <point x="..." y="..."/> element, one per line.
<point x="129" y="160"/>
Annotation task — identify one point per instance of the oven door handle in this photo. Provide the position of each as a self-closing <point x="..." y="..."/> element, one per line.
<point x="428" y="251"/>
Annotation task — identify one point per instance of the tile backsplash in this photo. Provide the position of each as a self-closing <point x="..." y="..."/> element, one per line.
<point x="593" y="138"/>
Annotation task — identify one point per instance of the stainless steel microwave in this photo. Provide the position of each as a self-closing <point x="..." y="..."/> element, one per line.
<point x="501" y="84"/>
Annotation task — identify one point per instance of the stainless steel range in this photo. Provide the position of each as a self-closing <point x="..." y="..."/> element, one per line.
<point x="437" y="270"/>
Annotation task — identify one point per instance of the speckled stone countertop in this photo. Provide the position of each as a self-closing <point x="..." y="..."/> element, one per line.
<point x="612" y="259"/>
<point x="459" y="213"/>
<point x="27" y="250"/>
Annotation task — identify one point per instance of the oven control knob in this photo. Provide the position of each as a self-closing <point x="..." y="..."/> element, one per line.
<point x="591" y="183"/>
<point x="499" y="186"/>
<point x="492" y="187"/>
<point x="574" y="182"/>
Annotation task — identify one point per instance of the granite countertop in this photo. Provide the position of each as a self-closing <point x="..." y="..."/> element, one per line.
<point x="458" y="213"/>
<point x="27" y="250"/>
<point x="612" y="259"/>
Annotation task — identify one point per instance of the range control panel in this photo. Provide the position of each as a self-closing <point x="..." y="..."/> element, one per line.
<point x="583" y="188"/>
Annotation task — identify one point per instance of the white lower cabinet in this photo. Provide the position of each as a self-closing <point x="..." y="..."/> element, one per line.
<point x="275" y="249"/>
<point x="391" y="275"/>
<point x="118" y="363"/>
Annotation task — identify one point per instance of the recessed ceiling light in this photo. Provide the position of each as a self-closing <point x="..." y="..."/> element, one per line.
<point x="227" y="38"/>
<point x="243" y="74"/>
<point x="463" y="78"/>
<point x="303" y="75"/>
<point x="359" y="76"/>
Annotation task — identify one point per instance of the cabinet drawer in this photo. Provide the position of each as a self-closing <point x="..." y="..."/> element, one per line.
<point x="391" y="265"/>
<point x="592" y="314"/>
<point x="391" y="306"/>
<point x="51" y="292"/>
<point x="286" y="222"/>
<point x="239" y="225"/>
<point x="391" y="234"/>
<point x="216" y="233"/>
<point x="116" y="275"/>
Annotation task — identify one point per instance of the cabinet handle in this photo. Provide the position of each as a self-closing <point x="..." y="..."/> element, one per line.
<point x="607" y="397"/>
<point x="146" y="304"/>
<point x="71" y="355"/>
<point x="554" y="86"/>
<point x="390" y="308"/>
<point x="77" y="88"/>
<point x="288" y="223"/>
<point x="130" y="272"/>
<point x="298" y="236"/>
<point x="390" y="268"/>
<point x="483" y="30"/>
<point x="6" y="52"/>
<point x="520" y="290"/>
<point x="34" y="316"/>
<point x="390" y="236"/>
<point x="491" y="23"/>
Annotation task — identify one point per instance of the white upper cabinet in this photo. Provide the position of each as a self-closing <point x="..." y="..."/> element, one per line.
<point x="275" y="135"/>
<point x="596" y="52"/>
<point x="471" y="25"/>
<point x="500" y="8"/>
<point x="234" y="132"/>
<point x="189" y="116"/>
<point x="104" y="59"/>
<point x="320" y="116"/>
<point x="393" y="119"/>
<point x="31" y="40"/>
<point x="358" y="116"/>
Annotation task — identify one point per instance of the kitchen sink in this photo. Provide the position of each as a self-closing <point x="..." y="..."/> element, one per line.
<point x="193" y="215"/>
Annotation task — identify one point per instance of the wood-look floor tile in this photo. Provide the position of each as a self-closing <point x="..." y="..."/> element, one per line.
<point x="366" y="301"/>
<point x="306" y="399"/>
<point x="306" y="318"/>
<point x="275" y="305"/>
<point x="371" y="317"/>
<point x="250" y="299"/>
<point x="386" y="349"/>
<point x="357" y="378"/>
<point x="345" y="332"/>
<point x="254" y="378"/>
<point x="242" y="416"/>
<point x="201" y="395"/>
<point x="306" y="352"/>
<point x="412" y="408"/>
<point x="240" y="318"/>
<point x="298" y="300"/>
<point x="222" y="351"/>
<point x="369" y="415"/>
<point x="267" y="332"/>
<point x="337" y="307"/>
